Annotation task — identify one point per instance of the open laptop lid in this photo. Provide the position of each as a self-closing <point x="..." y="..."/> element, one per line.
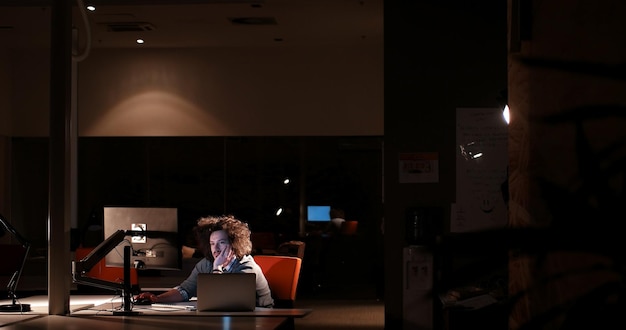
<point x="228" y="292"/>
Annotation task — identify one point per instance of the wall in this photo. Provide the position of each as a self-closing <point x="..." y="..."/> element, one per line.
<point x="5" y="140"/>
<point x="5" y="93"/>
<point x="174" y="93"/>
<point x="298" y="91"/>
<point x="294" y="91"/>
<point x="30" y="87"/>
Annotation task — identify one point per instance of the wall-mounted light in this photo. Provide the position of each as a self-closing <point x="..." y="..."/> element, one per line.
<point x="503" y="100"/>
<point x="505" y="114"/>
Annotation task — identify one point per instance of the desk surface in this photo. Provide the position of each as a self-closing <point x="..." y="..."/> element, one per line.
<point x="144" y="322"/>
<point x="109" y="307"/>
<point x="96" y="312"/>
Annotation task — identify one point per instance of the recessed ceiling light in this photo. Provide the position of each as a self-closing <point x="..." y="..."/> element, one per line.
<point x="91" y="7"/>
<point x="140" y="41"/>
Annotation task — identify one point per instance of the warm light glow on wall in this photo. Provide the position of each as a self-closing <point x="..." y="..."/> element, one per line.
<point x="155" y="113"/>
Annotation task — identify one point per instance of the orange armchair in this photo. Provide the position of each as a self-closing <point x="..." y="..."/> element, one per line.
<point x="282" y="274"/>
<point x="349" y="227"/>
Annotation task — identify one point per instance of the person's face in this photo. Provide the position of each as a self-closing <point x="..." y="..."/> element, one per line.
<point x="218" y="242"/>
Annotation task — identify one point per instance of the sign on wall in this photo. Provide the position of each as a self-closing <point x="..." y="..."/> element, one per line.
<point x="481" y="170"/>
<point x="417" y="167"/>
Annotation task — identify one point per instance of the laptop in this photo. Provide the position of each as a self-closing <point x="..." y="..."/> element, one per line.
<point x="228" y="292"/>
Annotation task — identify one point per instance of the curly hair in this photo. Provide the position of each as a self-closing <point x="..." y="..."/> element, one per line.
<point x="237" y="230"/>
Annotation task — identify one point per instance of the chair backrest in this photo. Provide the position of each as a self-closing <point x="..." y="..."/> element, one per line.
<point x="291" y="248"/>
<point x="282" y="274"/>
<point x="348" y="227"/>
<point x="263" y="242"/>
<point x="103" y="272"/>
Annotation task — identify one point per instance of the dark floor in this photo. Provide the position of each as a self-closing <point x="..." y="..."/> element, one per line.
<point x="342" y="288"/>
<point x="358" y="314"/>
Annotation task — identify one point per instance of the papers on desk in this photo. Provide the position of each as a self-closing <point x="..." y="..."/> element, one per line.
<point x="185" y="306"/>
<point x="475" y="302"/>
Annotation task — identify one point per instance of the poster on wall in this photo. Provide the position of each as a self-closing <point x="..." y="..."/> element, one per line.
<point x="418" y="167"/>
<point x="481" y="170"/>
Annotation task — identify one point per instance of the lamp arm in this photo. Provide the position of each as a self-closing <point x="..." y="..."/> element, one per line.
<point x="7" y="226"/>
<point x="81" y="267"/>
<point x="79" y="278"/>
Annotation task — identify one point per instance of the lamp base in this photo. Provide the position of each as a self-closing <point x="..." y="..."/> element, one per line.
<point x="20" y="308"/>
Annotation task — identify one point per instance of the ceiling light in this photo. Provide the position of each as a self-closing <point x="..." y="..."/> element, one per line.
<point x="140" y="41"/>
<point x="91" y="7"/>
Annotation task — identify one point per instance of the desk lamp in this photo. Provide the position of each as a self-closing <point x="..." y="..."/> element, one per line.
<point x="81" y="267"/>
<point x="11" y="287"/>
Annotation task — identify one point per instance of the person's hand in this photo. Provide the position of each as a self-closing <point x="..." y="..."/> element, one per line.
<point x="146" y="295"/>
<point x="224" y="258"/>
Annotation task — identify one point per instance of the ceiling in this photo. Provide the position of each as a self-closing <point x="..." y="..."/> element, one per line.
<point x="208" y="23"/>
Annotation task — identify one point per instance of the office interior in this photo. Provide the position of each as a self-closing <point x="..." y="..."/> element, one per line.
<point x="557" y="60"/>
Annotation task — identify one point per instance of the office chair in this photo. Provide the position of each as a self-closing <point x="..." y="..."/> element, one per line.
<point x="291" y="248"/>
<point x="263" y="243"/>
<point x="348" y="227"/>
<point x="282" y="274"/>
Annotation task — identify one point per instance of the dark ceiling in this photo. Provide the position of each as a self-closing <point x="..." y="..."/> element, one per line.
<point x="212" y="23"/>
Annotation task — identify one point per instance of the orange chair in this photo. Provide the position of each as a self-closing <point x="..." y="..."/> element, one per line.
<point x="348" y="228"/>
<point x="103" y="272"/>
<point x="282" y="274"/>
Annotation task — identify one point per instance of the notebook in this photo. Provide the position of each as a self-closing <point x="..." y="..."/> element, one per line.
<point x="228" y="292"/>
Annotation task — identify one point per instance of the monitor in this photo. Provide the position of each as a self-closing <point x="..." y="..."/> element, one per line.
<point x="159" y="248"/>
<point x="318" y="213"/>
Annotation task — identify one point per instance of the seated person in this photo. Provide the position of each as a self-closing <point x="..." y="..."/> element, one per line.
<point x="225" y="243"/>
<point x="337" y="218"/>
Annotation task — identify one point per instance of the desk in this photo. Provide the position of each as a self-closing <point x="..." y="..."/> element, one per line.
<point x="146" y="322"/>
<point x="108" y="308"/>
<point x="95" y="312"/>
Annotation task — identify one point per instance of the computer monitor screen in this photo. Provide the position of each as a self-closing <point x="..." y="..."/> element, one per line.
<point x="318" y="213"/>
<point x="158" y="249"/>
